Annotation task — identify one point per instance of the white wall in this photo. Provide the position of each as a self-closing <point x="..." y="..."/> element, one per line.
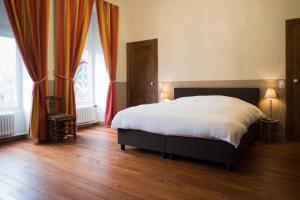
<point x="211" y="39"/>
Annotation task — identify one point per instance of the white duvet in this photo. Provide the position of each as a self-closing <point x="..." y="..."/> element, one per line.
<point x="211" y="117"/>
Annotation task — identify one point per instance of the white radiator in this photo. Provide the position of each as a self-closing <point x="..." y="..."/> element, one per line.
<point x="7" y="124"/>
<point x="86" y="115"/>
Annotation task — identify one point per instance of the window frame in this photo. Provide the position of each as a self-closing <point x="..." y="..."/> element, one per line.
<point x="5" y="31"/>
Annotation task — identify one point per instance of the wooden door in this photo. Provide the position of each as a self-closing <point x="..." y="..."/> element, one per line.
<point x="142" y="72"/>
<point x="293" y="78"/>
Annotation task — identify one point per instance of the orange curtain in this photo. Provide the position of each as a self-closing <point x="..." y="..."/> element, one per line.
<point x="108" y="21"/>
<point x="72" y="19"/>
<point x="29" y="20"/>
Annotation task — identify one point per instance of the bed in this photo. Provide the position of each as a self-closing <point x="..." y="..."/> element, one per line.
<point x="210" y="149"/>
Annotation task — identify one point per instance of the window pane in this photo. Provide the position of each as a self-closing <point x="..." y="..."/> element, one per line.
<point x="8" y="79"/>
<point x="83" y="81"/>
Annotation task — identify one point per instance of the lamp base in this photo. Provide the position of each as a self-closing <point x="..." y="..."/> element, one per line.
<point x="271" y="116"/>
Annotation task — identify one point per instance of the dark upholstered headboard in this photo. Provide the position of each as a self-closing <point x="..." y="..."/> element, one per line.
<point x="250" y="95"/>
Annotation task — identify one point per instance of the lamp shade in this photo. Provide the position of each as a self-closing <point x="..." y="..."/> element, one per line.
<point x="166" y="95"/>
<point x="270" y="94"/>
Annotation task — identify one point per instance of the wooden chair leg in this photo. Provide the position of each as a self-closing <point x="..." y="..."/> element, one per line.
<point x="47" y="131"/>
<point x="74" y="129"/>
<point x="55" y="132"/>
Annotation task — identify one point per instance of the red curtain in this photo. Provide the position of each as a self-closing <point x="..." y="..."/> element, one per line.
<point x="73" y="20"/>
<point x="108" y="21"/>
<point x="30" y="22"/>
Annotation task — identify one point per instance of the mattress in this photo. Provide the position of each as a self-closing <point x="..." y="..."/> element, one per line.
<point x="210" y="117"/>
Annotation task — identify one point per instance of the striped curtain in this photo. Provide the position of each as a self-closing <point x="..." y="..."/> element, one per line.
<point x="30" y="22"/>
<point x="108" y="21"/>
<point x="72" y="19"/>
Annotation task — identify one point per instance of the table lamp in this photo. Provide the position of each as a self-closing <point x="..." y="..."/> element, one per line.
<point x="270" y="94"/>
<point x="166" y="96"/>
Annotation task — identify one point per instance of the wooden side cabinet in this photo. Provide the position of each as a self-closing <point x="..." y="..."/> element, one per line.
<point x="269" y="128"/>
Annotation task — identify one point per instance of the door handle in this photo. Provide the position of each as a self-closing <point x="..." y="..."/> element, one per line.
<point x="151" y="83"/>
<point x="295" y="80"/>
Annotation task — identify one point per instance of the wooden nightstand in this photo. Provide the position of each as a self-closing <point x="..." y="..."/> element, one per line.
<point x="268" y="129"/>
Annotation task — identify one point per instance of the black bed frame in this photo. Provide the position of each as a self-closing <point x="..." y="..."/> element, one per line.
<point x="205" y="149"/>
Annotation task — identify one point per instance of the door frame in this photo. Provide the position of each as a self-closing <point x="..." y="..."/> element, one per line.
<point x="289" y="79"/>
<point x="142" y="42"/>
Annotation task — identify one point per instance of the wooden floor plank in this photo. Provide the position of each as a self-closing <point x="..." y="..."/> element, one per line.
<point x="94" y="168"/>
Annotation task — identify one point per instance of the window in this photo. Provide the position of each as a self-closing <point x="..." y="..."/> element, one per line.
<point x="91" y="66"/>
<point x="91" y="79"/>
<point x="14" y="78"/>
<point x="84" y="80"/>
<point x="9" y="62"/>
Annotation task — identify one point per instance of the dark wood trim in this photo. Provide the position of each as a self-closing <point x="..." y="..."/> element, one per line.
<point x="143" y="42"/>
<point x="128" y="96"/>
<point x="289" y="78"/>
<point x="88" y="125"/>
<point x="13" y="138"/>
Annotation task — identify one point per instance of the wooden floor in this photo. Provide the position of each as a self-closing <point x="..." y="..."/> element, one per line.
<point x="95" y="168"/>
